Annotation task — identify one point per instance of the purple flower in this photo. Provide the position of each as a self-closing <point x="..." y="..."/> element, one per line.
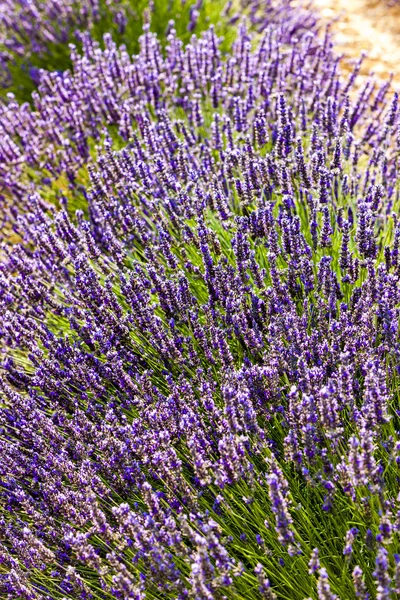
<point x="198" y="363"/>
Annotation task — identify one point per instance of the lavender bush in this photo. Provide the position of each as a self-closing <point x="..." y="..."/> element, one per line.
<point x="200" y="324"/>
<point x="36" y="34"/>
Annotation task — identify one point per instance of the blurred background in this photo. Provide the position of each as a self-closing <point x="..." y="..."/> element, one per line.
<point x="372" y="26"/>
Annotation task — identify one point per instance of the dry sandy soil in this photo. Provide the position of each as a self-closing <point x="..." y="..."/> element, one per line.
<point x="372" y="26"/>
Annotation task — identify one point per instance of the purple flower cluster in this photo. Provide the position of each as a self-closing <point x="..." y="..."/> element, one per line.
<point x="108" y="88"/>
<point x="29" y="28"/>
<point x="32" y="26"/>
<point x="199" y="363"/>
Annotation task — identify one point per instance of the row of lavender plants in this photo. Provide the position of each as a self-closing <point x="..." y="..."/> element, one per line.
<point x="35" y="34"/>
<point x="199" y="334"/>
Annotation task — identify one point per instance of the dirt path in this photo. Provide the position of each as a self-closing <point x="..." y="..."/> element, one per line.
<point x="367" y="25"/>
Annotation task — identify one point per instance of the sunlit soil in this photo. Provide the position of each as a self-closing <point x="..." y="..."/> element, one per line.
<point x="371" y="26"/>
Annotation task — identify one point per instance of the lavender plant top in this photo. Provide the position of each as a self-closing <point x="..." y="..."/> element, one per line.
<point x="35" y="34"/>
<point x="199" y="385"/>
<point x="29" y="28"/>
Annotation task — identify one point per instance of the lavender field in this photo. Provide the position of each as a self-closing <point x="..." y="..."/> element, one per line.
<point x="200" y="298"/>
